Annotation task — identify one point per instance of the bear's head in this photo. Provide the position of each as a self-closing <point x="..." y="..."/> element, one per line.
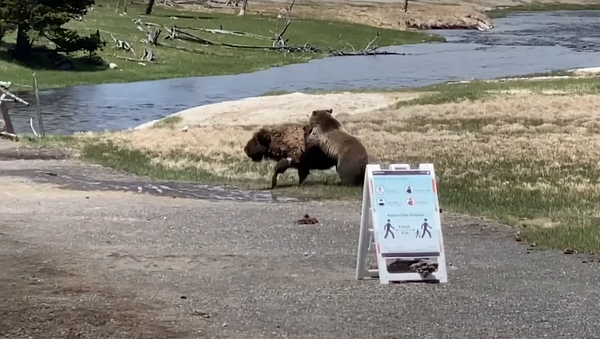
<point x="324" y="119"/>
<point x="257" y="148"/>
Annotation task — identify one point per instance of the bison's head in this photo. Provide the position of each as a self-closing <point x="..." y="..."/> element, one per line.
<point x="257" y="148"/>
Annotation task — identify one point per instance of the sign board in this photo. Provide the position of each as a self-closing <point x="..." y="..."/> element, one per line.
<point x="401" y="217"/>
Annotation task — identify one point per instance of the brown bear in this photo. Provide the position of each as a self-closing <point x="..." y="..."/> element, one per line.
<point x="286" y="144"/>
<point x="332" y="138"/>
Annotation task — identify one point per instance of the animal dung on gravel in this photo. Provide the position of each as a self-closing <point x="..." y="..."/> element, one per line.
<point x="307" y="220"/>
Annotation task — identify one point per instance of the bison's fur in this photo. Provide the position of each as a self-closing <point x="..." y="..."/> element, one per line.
<point x="286" y="144"/>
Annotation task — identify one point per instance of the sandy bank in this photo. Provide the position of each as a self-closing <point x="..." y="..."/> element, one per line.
<point x="285" y="108"/>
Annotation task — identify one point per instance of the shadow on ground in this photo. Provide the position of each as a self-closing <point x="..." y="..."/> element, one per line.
<point x="46" y="59"/>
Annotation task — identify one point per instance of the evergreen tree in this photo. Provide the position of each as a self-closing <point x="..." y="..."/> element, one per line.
<point x="44" y="18"/>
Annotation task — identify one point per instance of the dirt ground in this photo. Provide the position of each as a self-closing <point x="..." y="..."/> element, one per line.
<point x="93" y="261"/>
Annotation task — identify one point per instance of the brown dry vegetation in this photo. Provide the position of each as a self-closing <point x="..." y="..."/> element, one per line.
<point x="519" y="155"/>
<point x="379" y="14"/>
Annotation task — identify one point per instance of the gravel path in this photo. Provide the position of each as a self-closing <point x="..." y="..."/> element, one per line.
<point x="109" y="264"/>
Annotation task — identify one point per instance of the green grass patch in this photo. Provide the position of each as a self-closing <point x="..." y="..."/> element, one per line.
<point x="587" y="85"/>
<point x="482" y="90"/>
<point x="521" y="190"/>
<point x="502" y="12"/>
<point x="319" y="185"/>
<point x="204" y="60"/>
<point x="50" y="140"/>
<point x="168" y="122"/>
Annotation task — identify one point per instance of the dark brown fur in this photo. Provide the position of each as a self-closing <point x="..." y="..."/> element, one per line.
<point x="330" y="136"/>
<point x="286" y="144"/>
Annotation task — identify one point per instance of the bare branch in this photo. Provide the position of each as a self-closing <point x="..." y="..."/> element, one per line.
<point x="32" y="129"/>
<point x="121" y="44"/>
<point x="368" y="48"/>
<point x="7" y="93"/>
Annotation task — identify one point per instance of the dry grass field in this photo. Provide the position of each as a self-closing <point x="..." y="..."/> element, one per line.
<point x="390" y="14"/>
<point x="384" y="14"/>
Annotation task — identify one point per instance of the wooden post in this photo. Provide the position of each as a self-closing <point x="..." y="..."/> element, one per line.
<point x="149" y="7"/>
<point x="5" y="97"/>
<point x="38" y="109"/>
<point x="8" y="126"/>
<point x="124" y="2"/>
<point x="244" y="7"/>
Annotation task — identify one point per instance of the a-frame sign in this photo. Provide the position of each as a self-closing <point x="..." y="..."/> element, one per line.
<point x="401" y="218"/>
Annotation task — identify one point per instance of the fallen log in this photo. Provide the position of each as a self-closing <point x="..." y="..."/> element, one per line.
<point x="227" y="32"/>
<point x="175" y="33"/>
<point x="10" y="136"/>
<point x="280" y="44"/>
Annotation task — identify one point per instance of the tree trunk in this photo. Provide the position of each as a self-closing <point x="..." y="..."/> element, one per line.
<point x="8" y="126"/>
<point x="244" y="7"/>
<point x="149" y="7"/>
<point x="2" y="31"/>
<point x="23" y="47"/>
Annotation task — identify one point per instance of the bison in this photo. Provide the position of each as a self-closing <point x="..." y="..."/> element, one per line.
<point x="286" y="144"/>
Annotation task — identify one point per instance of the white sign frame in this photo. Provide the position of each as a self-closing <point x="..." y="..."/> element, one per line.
<point x="368" y="237"/>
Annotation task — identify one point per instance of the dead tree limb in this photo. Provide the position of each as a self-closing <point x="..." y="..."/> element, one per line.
<point x="125" y="58"/>
<point x="405" y="8"/>
<point x="148" y="55"/>
<point x="286" y="12"/>
<point x="8" y="130"/>
<point x="33" y="129"/>
<point x="227" y="32"/>
<point x="192" y="50"/>
<point x="372" y="42"/>
<point x="153" y="34"/>
<point x="4" y="86"/>
<point x="122" y="44"/>
<point x="280" y="44"/>
<point x="243" y="8"/>
<point x="10" y="136"/>
<point x="173" y="34"/>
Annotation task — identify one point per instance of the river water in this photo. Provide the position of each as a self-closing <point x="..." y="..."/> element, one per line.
<point x="520" y="44"/>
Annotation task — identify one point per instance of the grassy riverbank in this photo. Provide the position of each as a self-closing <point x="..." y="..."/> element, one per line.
<point x="200" y="59"/>
<point x="503" y="12"/>
<point x="521" y="152"/>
